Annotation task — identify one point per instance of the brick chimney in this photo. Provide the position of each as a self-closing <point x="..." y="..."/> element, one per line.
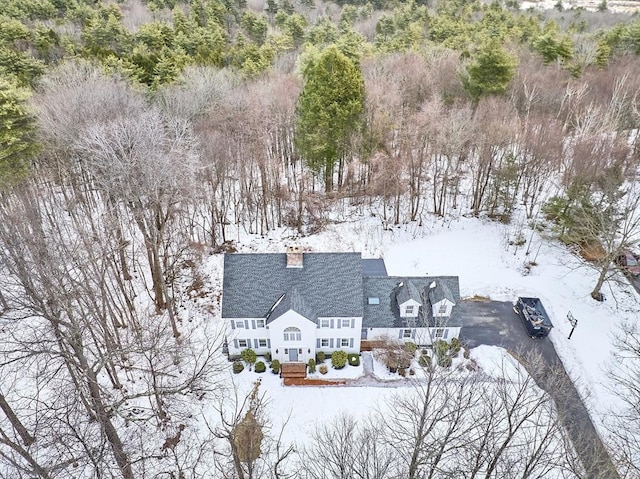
<point x="294" y="256"/>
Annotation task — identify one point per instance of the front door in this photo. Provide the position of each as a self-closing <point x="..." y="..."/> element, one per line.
<point x="293" y="354"/>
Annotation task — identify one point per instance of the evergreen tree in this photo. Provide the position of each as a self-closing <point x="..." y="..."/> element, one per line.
<point x="489" y="72"/>
<point x="329" y="110"/>
<point x="17" y="128"/>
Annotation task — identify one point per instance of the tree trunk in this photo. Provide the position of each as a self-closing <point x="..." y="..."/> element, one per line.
<point x="27" y="438"/>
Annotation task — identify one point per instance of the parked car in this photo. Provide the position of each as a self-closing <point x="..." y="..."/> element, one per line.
<point x="629" y="263"/>
<point x="533" y="316"/>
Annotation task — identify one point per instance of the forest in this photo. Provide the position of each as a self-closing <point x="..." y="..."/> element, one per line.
<point x="138" y="137"/>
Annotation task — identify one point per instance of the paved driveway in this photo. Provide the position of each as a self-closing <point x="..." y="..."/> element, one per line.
<point x="495" y="323"/>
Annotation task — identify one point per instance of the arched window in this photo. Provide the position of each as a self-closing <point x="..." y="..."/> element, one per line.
<point x="292" y="334"/>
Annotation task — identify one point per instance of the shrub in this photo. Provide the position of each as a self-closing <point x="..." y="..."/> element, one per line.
<point x="320" y="357"/>
<point x="393" y="354"/>
<point x="402" y="372"/>
<point x="312" y="365"/>
<point x="412" y="372"/>
<point x="455" y="346"/>
<point x="425" y="361"/>
<point x="441" y="350"/>
<point x="267" y="357"/>
<point x="411" y="347"/>
<point x="323" y="369"/>
<point x="354" y="359"/>
<point x="249" y="356"/>
<point x="444" y="362"/>
<point x="275" y="366"/>
<point x="338" y="359"/>
<point x="238" y="367"/>
<point x="260" y="367"/>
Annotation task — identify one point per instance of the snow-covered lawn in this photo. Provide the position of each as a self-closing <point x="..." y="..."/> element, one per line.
<point x="480" y="253"/>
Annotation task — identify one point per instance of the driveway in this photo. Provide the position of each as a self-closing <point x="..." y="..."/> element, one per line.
<point x="494" y="323"/>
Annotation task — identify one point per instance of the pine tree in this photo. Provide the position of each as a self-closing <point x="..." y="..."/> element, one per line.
<point x="17" y="126"/>
<point x="329" y="110"/>
<point x="490" y="71"/>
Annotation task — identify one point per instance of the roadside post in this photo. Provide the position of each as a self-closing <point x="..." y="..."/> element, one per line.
<point x="574" y="323"/>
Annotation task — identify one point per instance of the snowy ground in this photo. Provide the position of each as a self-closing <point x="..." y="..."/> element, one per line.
<point x="479" y="252"/>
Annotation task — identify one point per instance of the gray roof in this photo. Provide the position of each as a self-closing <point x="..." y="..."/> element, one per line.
<point x="328" y="284"/>
<point x="441" y="291"/>
<point x="373" y="267"/>
<point x="407" y="290"/>
<point x="291" y="300"/>
<point x="387" y="314"/>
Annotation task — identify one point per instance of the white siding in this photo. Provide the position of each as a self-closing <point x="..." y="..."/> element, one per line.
<point x="307" y="343"/>
<point x="249" y="332"/>
<point x="349" y="330"/>
<point x="436" y="309"/>
<point x="414" y="311"/>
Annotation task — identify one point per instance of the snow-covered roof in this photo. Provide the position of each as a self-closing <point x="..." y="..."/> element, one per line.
<point x="329" y="284"/>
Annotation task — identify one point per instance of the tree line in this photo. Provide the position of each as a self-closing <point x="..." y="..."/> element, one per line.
<point x="120" y="170"/>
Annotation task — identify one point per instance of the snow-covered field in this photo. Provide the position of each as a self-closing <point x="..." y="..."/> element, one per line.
<point x="480" y="253"/>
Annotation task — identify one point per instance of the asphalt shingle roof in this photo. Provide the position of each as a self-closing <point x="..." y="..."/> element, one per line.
<point x="292" y="300"/>
<point x="373" y="267"/>
<point x="407" y="290"/>
<point x="441" y="291"/>
<point x="387" y="314"/>
<point x="329" y="284"/>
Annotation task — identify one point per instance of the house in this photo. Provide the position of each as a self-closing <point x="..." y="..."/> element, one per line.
<point x="298" y="303"/>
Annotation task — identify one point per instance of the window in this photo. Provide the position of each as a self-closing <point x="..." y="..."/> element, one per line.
<point x="242" y="343"/>
<point x="325" y="323"/>
<point x="374" y="300"/>
<point x="344" y="343"/>
<point x="346" y="323"/>
<point x="262" y="343"/>
<point x="286" y="351"/>
<point x="292" y="334"/>
<point x="239" y="324"/>
<point x="406" y="333"/>
<point x="259" y="323"/>
<point x="443" y="308"/>
<point x="439" y="332"/>
<point x="324" y="343"/>
<point x="408" y="309"/>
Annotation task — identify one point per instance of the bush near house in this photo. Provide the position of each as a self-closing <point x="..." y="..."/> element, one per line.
<point x="238" y="367"/>
<point x="455" y="346"/>
<point x="443" y="353"/>
<point x="267" y="357"/>
<point x="260" y="367"/>
<point x="323" y="369"/>
<point x="393" y="354"/>
<point x="320" y="357"/>
<point x="338" y="359"/>
<point x="425" y="361"/>
<point x="275" y="366"/>
<point x="354" y="359"/>
<point x="312" y="365"/>
<point x="249" y="356"/>
<point x="411" y="347"/>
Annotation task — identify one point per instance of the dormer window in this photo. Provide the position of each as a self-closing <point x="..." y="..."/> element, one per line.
<point x="409" y="310"/>
<point x="443" y="308"/>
